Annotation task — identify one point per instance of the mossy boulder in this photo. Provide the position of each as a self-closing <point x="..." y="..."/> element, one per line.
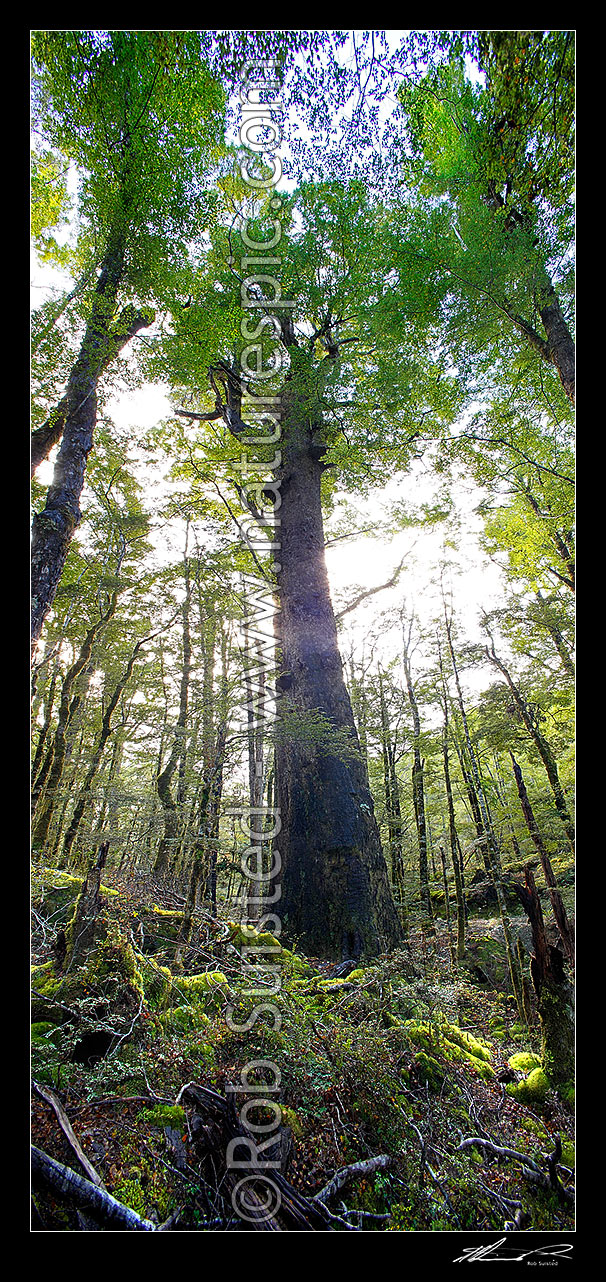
<point x="524" y="1062"/>
<point x="250" y="938"/>
<point x="532" y="1090"/>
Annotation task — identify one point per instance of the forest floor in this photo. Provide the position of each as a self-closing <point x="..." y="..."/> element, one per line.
<point x="401" y="1095"/>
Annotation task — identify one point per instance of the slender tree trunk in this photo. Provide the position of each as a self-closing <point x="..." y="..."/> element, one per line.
<point x="564" y="925"/>
<point x="418" y="790"/>
<point x="43" y="735"/>
<point x="74" y="420"/>
<point x="168" y="846"/>
<point x="452" y="829"/>
<point x="49" y="777"/>
<point x="392" y="796"/>
<point x="492" y="845"/>
<point x="97" y="754"/>
<point x="541" y="744"/>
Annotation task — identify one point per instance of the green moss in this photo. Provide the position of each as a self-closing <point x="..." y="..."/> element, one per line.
<point x="524" y="1062"/>
<point x="130" y="1193"/>
<point x="428" y="1070"/>
<point x="295" y="965"/>
<point x="44" y="978"/>
<point x="164" y="1115"/>
<point x="161" y="928"/>
<point x="566" y="1093"/>
<point x="249" y="937"/>
<point x="568" y="1154"/>
<point x="210" y="989"/>
<point x="44" y="1033"/>
<point x="291" y="1118"/>
<point x="467" y="1042"/>
<point x="157" y="981"/>
<point x="532" y="1090"/>
<point x="185" y="1019"/>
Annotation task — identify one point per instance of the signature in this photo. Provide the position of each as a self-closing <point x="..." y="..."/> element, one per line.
<point x="500" y="1251"/>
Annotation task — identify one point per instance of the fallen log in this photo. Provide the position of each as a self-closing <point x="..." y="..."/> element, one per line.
<point x="67" y="1185"/>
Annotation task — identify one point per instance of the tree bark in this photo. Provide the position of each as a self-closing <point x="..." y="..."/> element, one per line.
<point x="75" y="420"/>
<point x="553" y="991"/>
<point x="335" y="890"/>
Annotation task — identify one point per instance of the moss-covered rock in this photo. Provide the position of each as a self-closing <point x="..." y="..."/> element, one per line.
<point x="524" y="1062"/>
<point x="532" y="1090"/>
<point x="243" y="936"/>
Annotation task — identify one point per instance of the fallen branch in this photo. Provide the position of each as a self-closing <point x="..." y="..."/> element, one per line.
<point x="50" y="1098"/>
<point x="349" y="1173"/>
<point x="66" y="1184"/>
<point x="530" y="1169"/>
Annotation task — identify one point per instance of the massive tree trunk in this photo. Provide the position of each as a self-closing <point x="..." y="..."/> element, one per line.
<point x="336" y="898"/>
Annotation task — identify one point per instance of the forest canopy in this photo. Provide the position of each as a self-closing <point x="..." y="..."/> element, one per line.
<point x="302" y="588"/>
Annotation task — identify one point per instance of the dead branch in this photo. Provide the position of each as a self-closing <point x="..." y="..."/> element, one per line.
<point x="49" y="1097"/>
<point x="349" y="1173"/>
